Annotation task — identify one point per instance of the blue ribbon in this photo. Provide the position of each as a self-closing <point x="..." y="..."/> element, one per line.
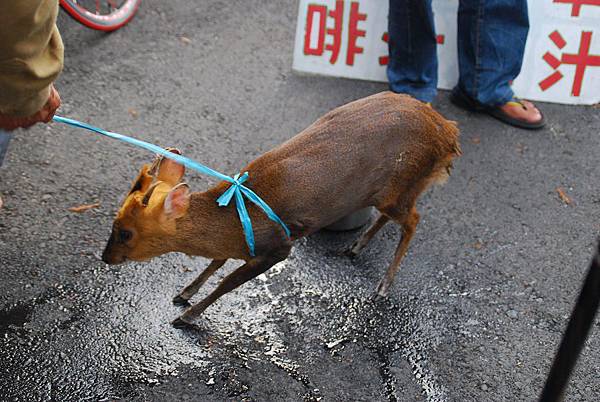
<point x="237" y="188"/>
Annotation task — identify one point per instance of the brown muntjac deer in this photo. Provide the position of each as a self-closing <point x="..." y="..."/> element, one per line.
<point x="381" y="151"/>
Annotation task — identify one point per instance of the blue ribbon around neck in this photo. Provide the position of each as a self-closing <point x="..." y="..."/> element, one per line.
<point x="237" y="189"/>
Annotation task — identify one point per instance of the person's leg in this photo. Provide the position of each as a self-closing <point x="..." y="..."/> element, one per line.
<point x="412" y="66"/>
<point x="491" y="42"/>
<point x="4" y="140"/>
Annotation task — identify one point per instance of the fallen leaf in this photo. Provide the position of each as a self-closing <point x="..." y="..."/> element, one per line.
<point x="478" y="245"/>
<point x="333" y="344"/>
<point x="185" y="40"/>
<point x="563" y="196"/>
<point x="83" y="208"/>
<point x="475" y="140"/>
<point x="521" y="148"/>
<point x="134" y="113"/>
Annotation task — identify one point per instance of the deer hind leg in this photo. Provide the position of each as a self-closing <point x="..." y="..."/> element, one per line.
<point x="243" y="274"/>
<point x="409" y="222"/>
<point x="367" y="235"/>
<point x="191" y="289"/>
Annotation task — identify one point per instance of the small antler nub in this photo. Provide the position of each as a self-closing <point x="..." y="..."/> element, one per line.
<point x="148" y="194"/>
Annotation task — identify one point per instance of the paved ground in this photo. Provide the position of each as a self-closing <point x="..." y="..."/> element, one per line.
<point x="477" y="309"/>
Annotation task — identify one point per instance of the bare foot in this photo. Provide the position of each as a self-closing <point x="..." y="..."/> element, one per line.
<point x="522" y="110"/>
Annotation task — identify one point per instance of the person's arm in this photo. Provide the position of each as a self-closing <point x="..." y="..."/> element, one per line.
<point x="31" y="58"/>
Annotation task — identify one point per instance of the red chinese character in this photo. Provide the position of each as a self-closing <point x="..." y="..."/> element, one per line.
<point x="320" y="11"/>
<point x="336" y="31"/>
<point x="580" y="60"/>
<point x="354" y="33"/>
<point x="384" y="60"/>
<point x="576" y="5"/>
<point x="314" y="10"/>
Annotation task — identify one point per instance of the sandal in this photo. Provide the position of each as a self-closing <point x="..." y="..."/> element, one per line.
<point x="462" y="100"/>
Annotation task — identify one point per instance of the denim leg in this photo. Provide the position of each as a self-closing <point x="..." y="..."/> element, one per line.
<point x="412" y="66"/>
<point x="4" y="140"/>
<point x="491" y="42"/>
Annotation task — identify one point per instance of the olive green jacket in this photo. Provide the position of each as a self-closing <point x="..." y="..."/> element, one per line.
<point x="31" y="54"/>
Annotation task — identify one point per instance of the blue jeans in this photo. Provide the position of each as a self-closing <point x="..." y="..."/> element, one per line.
<point x="491" y="42"/>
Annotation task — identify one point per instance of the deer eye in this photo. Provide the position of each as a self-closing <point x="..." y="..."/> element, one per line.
<point x="125" y="235"/>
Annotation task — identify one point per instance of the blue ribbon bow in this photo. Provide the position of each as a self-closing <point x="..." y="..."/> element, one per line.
<point x="237" y="188"/>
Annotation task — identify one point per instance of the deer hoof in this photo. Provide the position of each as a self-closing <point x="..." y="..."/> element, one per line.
<point x="180" y="324"/>
<point x="352" y="252"/>
<point x="382" y="291"/>
<point x="180" y="301"/>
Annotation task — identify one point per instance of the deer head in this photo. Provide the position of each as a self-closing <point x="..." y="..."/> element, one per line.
<point x="145" y="225"/>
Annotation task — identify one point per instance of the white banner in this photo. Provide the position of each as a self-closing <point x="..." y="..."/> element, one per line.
<point x="348" y="38"/>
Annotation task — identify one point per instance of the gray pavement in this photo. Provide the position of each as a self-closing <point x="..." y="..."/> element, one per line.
<point x="477" y="309"/>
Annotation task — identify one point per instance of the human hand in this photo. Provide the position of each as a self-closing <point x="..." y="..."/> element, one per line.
<point x="44" y="115"/>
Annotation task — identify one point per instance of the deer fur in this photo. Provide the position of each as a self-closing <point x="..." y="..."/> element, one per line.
<point x="381" y="151"/>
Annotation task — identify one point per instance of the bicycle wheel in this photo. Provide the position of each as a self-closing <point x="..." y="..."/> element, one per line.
<point x="103" y="15"/>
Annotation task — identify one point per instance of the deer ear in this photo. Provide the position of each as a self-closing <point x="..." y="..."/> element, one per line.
<point x="170" y="171"/>
<point x="177" y="201"/>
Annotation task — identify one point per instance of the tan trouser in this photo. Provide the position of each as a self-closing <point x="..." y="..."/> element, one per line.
<point x="31" y="54"/>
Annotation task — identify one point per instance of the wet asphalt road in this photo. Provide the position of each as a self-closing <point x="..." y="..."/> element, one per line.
<point x="478" y="306"/>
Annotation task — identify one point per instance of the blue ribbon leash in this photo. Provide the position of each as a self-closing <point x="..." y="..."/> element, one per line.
<point x="237" y="188"/>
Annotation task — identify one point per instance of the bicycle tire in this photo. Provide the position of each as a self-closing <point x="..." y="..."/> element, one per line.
<point x="106" y="23"/>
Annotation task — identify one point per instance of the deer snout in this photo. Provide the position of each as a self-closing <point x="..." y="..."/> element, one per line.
<point x="110" y="256"/>
<point x="109" y="259"/>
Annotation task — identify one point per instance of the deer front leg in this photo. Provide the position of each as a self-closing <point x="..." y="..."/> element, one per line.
<point x="243" y="274"/>
<point x="191" y="289"/>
